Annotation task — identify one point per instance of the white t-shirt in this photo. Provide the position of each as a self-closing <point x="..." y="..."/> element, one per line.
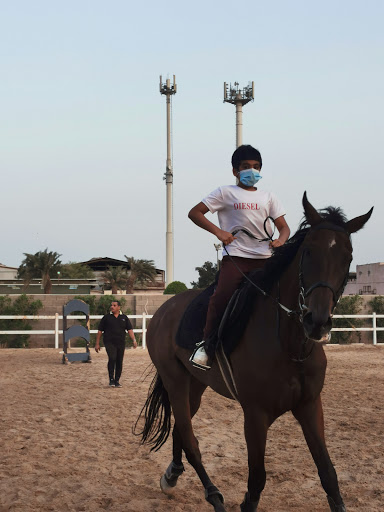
<point x="239" y="208"/>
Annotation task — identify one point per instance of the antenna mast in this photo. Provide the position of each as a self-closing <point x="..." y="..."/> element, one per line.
<point x="239" y="97"/>
<point x="168" y="89"/>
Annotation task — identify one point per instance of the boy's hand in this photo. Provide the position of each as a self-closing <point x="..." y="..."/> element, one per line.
<point x="225" y="237"/>
<point x="275" y="243"/>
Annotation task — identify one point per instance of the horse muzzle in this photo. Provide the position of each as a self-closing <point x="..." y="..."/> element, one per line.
<point x="317" y="328"/>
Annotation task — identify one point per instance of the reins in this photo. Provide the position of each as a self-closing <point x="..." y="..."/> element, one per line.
<point x="224" y="365"/>
<point x="303" y="294"/>
<point x="290" y="312"/>
<point x="268" y="237"/>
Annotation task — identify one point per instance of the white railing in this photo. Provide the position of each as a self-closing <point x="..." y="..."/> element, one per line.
<point x="374" y="329"/>
<point x="56" y="331"/>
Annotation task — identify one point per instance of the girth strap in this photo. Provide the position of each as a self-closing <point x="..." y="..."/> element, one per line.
<point x="226" y="371"/>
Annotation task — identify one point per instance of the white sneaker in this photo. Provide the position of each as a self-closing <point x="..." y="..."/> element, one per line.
<point x="199" y="358"/>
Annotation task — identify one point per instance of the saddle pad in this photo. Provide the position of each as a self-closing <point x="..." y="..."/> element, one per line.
<point x="191" y="327"/>
<point x="233" y="323"/>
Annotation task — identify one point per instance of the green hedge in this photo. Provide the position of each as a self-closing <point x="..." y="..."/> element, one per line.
<point x="175" y="287"/>
<point x="350" y="305"/>
<point x="22" y="305"/>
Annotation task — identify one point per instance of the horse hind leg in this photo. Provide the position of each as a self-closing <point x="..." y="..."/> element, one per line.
<point x="212" y="494"/>
<point x="310" y="417"/>
<point x="185" y="396"/>
<point x="175" y="469"/>
<point x="169" y="480"/>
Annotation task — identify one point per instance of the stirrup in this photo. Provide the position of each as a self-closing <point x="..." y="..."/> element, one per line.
<point x="200" y="365"/>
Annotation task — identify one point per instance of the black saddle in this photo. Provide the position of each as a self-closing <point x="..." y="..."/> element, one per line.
<point x="233" y="323"/>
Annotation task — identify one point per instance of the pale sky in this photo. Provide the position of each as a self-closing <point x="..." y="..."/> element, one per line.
<point x="83" y="125"/>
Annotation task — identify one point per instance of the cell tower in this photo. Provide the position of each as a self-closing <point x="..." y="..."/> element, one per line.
<point x="239" y="97"/>
<point x="168" y="89"/>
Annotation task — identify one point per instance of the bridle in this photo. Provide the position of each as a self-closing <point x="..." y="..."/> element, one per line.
<point x="303" y="293"/>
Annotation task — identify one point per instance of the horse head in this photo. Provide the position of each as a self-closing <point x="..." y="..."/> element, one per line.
<point x="324" y="266"/>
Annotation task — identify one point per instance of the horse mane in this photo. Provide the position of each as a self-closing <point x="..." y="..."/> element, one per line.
<point x="284" y="255"/>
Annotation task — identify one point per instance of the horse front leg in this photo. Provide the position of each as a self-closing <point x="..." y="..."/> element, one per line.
<point x="311" y="418"/>
<point x="255" y="430"/>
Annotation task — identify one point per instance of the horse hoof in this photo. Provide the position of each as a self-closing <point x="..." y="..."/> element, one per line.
<point x="169" y="480"/>
<point x="215" y="498"/>
<point x="165" y="487"/>
<point x="249" y="506"/>
<point x="334" y="507"/>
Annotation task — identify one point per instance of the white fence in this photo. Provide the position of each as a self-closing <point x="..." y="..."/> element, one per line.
<point x="374" y="329"/>
<point x="56" y="331"/>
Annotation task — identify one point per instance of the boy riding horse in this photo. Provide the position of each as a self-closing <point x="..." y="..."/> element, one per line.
<point x="240" y="206"/>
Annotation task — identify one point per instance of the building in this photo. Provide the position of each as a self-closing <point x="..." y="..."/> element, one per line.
<point x="8" y="272"/>
<point x="367" y="280"/>
<point x="10" y="285"/>
<point x="100" y="265"/>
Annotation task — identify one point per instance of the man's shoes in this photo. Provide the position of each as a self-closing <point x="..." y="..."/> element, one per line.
<point x="118" y="385"/>
<point x="200" y="358"/>
<point x="112" y="383"/>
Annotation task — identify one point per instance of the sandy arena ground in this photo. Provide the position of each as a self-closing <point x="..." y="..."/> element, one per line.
<point x="66" y="441"/>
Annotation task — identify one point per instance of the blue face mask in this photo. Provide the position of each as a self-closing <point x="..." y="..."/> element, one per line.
<point x="249" y="177"/>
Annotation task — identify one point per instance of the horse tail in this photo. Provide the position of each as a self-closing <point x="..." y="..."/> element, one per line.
<point x="157" y="415"/>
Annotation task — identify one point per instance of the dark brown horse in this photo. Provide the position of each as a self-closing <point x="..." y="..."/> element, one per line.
<point x="278" y="363"/>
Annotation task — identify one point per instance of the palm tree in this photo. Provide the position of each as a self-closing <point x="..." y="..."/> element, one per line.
<point x="42" y="265"/>
<point x="142" y="272"/>
<point x="115" y="278"/>
<point x="74" y="270"/>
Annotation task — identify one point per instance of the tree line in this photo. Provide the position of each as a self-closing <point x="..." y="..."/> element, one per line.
<point x="46" y="265"/>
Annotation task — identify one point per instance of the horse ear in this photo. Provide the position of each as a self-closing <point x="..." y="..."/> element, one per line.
<point x="311" y="214"/>
<point x="358" y="222"/>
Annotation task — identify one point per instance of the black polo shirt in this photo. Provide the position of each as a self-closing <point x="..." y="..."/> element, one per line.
<point x="114" y="328"/>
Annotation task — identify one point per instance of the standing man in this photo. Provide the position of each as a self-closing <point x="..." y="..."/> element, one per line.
<point x="114" y="326"/>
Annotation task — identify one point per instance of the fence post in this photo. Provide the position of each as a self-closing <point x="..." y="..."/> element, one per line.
<point x="374" y="328"/>
<point x="144" y="327"/>
<point x="57" y="330"/>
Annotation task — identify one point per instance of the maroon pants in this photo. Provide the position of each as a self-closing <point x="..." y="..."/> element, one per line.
<point x="229" y="280"/>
